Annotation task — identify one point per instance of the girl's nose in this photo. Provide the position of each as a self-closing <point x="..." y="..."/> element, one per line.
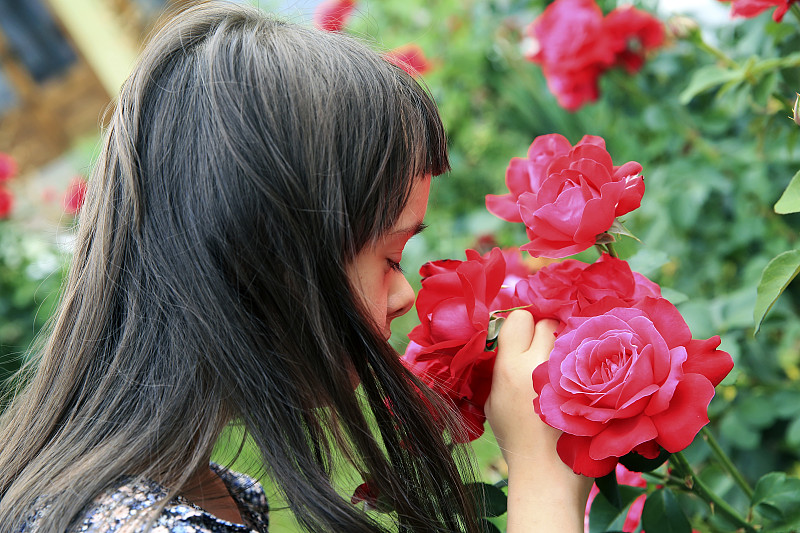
<point x="401" y="297"/>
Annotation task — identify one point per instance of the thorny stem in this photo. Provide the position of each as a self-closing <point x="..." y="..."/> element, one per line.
<point x="727" y="464"/>
<point x="611" y="251"/>
<point x="696" y="485"/>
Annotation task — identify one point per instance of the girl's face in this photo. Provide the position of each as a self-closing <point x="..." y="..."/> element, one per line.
<point x="375" y="272"/>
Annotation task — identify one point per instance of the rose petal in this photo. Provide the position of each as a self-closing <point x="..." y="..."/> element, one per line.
<point x="574" y="451"/>
<point x="621" y="436"/>
<point x="687" y="413"/>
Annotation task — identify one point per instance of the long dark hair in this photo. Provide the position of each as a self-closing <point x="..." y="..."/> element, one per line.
<point x="247" y="161"/>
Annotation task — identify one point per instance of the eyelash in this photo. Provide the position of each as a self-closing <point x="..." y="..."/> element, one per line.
<point x="395" y="266"/>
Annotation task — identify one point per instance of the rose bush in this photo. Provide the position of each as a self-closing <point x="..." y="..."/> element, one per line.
<point x="564" y="289"/>
<point x="566" y="196"/>
<point x="627" y="379"/>
<point x="447" y="350"/>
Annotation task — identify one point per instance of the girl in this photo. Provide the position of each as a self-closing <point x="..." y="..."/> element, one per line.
<point x="238" y="262"/>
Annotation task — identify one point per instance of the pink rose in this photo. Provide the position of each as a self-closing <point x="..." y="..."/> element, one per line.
<point x="752" y="8"/>
<point x="579" y="197"/>
<point x="629" y="380"/>
<point x="410" y="58"/>
<point x="527" y="174"/>
<point x="447" y="350"/>
<point x="563" y="289"/>
<point x="332" y="15"/>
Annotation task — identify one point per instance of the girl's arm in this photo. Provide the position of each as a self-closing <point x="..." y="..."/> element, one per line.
<point x="543" y="493"/>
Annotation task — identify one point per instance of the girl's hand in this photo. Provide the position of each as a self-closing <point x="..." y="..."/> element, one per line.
<point x="543" y="493"/>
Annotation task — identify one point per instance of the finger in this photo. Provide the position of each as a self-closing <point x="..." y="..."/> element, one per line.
<point x="543" y="339"/>
<point x="516" y="334"/>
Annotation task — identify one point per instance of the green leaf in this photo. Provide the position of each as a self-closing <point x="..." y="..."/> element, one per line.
<point x="793" y="433"/>
<point x="489" y="500"/>
<point x="610" y="489"/>
<point x="707" y="78"/>
<point x="604" y="517"/>
<point x="774" y="279"/>
<point x="638" y="463"/>
<point x="775" y="499"/>
<point x="488" y="527"/>
<point x="663" y="514"/>
<point x="789" y="202"/>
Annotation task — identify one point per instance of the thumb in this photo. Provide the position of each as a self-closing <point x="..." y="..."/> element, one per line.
<point x="516" y="335"/>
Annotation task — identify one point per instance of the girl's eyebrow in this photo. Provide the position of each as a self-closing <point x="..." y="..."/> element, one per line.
<point x="410" y="231"/>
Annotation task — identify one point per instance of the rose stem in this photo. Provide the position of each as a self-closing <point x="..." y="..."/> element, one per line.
<point x="796" y="11"/>
<point x="611" y="251"/>
<point x="699" y="488"/>
<point x="726" y="462"/>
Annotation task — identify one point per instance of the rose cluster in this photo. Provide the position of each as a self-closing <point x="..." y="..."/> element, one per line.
<point x="626" y="380"/>
<point x="567" y="196"/>
<point x="575" y="44"/>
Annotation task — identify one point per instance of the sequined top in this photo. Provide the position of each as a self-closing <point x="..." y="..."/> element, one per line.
<point x="111" y="511"/>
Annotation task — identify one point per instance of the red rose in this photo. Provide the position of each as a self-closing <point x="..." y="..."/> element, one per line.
<point x="578" y="199"/>
<point x="332" y="15"/>
<point x="8" y="167"/>
<point x="75" y="195"/>
<point x="6" y="203"/>
<point x="572" y="50"/>
<point x="752" y="8"/>
<point x="629" y="380"/>
<point x="626" y="24"/>
<point x="447" y="350"/>
<point x="563" y="289"/>
<point x="410" y="58"/>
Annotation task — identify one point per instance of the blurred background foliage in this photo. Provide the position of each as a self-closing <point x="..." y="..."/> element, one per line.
<point x="706" y="117"/>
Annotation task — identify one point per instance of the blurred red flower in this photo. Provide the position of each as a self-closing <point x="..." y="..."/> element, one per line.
<point x="575" y="45"/>
<point x="632" y="33"/>
<point x="572" y="50"/>
<point x="332" y="15"/>
<point x="410" y="58"/>
<point x="75" y="195"/>
<point x="8" y="167"/>
<point x="752" y="8"/>
<point x="6" y="203"/>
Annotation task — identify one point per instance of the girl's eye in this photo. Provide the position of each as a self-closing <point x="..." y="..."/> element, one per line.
<point x="394" y="265"/>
